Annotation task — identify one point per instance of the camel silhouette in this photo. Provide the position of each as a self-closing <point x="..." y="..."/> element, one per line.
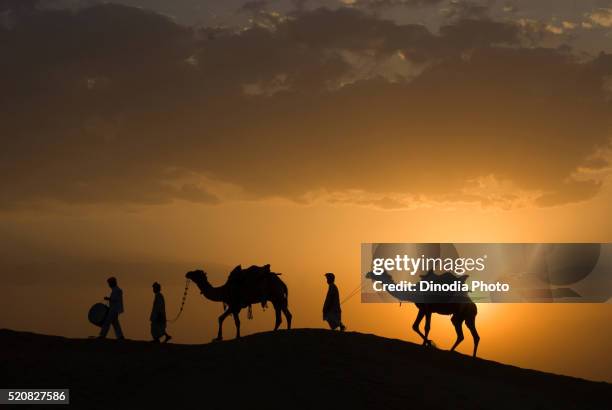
<point x="244" y="287"/>
<point x="457" y="304"/>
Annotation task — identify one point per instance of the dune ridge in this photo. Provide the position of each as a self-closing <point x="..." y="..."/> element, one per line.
<point x="293" y="369"/>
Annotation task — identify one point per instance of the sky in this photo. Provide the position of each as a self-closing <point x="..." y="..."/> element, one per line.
<point x="149" y="138"/>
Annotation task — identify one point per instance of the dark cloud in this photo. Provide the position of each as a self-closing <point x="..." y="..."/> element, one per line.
<point x="260" y="15"/>
<point x="254" y="6"/>
<point x="510" y="7"/>
<point x="468" y="9"/>
<point x="468" y="34"/>
<point x="18" y="5"/>
<point x="113" y="104"/>
<point x="378" y="5"/>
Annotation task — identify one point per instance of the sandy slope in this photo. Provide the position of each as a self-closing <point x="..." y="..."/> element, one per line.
<point x="297" y="369"/>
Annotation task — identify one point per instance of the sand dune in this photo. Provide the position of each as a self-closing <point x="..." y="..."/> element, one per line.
<point x="297" y="369"/>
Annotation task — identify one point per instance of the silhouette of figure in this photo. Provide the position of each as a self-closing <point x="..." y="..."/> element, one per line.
<point x="158" y="316"/>
<point x="244" y="287"/>
<point x="115" y="308"/>
<point x="331" y="307"/>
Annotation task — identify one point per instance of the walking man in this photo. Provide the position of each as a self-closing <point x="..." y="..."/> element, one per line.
<point x="331" y="307"/>
<point x="115" y="308"/>
<point x="158" y="315"/>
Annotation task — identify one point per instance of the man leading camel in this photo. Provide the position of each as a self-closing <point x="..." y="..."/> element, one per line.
<point x="331" y="307"/>
<point x="158" y="316"/>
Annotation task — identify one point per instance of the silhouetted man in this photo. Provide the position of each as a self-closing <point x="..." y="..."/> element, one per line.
<point x="331" y="308"/>
<point x="158" y="315"/>
<point x="115" y="308"/>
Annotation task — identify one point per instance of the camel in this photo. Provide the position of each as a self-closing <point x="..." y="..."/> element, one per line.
<point x="243" y="288"/>
<point x="460" y="306"/>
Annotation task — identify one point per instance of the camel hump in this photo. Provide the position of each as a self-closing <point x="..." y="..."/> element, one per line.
<point x="253" y="273"/>
<point x="255" y="268"/>
<point x="429" y="275"/>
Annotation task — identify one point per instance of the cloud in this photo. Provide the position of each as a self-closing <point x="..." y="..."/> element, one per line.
<point x="510" y="7"/>
<point x="379" y="5"/>
<point x="601" y="17"/>
<point x="150" y="111"/>
<point x="259" y="14"/>
<point x="254" y="6"/>
<point x="467" y="9"/>
<point x="18" y="5"/>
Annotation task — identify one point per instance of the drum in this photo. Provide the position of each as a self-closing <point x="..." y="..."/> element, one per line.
<point x="97" y="314"/>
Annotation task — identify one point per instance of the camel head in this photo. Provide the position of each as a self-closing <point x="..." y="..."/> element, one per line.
<point x="197" y="276"/>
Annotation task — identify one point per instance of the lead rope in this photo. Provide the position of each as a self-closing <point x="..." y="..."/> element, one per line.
<point x="187" y="282"/>
<point x="353" y="293"/>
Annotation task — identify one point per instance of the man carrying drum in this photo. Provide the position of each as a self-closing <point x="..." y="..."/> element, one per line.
<point x="115" y="308"/>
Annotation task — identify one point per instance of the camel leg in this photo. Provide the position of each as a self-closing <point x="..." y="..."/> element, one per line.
<point x="427" y="327"/>
<point x="221" y="319"/>
<point x="471" y="324"/>
<point x="277" y="312"/>
<point x="458" y="323"/>
<point x="288" y="315"/>
<point x="237" y="322"/>
<point x="417" y="322"/>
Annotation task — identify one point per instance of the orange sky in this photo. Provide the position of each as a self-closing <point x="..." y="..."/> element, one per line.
<point x="303" y="242"/>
